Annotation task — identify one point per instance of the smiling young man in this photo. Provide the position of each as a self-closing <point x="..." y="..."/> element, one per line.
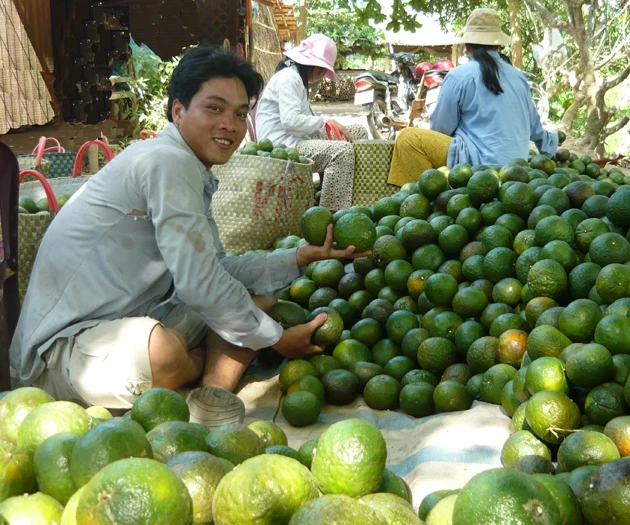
<point x="131" y="288"/>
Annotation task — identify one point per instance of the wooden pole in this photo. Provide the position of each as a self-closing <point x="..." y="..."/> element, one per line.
<point x="93" y="158"/>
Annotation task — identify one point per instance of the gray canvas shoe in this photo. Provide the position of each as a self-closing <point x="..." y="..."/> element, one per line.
<point x="213" y="407"/>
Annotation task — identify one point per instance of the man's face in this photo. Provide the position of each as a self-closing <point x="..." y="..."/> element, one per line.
<point x="215" y="122"/>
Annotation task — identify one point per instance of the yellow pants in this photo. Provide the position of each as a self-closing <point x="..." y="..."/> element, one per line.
<point x="417" y="150"/>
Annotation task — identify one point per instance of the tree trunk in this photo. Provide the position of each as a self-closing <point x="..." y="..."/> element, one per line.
<point x="580" y="26"/>
<point x="303" y="19"/>
<point x="594" y="123"/>
<point x="515" y="33"/>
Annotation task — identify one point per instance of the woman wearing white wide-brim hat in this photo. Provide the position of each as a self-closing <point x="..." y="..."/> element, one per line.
<point x="284" y="116"/>
<point x="484" y="114"/>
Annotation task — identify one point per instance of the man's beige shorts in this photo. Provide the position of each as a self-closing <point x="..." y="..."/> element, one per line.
<point x="108" y="365"/>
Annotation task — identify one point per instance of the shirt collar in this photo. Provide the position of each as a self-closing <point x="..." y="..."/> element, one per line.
<point x="172" y="133"/>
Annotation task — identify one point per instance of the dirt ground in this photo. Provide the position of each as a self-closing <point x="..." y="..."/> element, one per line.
<point x="70" y="135"/>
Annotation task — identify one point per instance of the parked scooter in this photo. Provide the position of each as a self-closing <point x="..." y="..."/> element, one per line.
<point x="432" y="76"/>
<point x="386" y="98"/>
<point x="374" y="92"/>
<point x="387" y="101"/>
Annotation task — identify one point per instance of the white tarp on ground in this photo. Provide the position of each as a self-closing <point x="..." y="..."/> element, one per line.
<point x="438" y="452"/>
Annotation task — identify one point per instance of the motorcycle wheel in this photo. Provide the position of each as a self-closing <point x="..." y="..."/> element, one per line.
<point x="540" y="101"/>
<point x="378" y="130"/>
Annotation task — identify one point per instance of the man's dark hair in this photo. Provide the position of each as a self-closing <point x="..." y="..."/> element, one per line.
<point x="489" y="67"/>
<point x="205" y="62"/>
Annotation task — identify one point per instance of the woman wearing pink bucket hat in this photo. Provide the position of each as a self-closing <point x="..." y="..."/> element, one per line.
<point x="284" y="116"/>
<point x="484" y="114"/>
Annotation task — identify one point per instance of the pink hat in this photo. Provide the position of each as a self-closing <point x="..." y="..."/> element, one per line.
<point x="316" y="50"/>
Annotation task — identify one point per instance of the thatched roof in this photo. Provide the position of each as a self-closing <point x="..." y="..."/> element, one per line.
<point x="265" y="50"/>
<point x="285" y="20"/>
<point x="284" y="15"/>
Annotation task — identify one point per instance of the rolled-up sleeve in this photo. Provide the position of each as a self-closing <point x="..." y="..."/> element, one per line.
<point x="446" y="115"/>
<point x="174" y="199"/>
<point x="294" y="121"/>
<point x="264" y="274"/>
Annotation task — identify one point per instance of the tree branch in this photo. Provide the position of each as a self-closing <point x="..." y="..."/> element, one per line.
<point x="615" y="81"/>
<point x="549" y="19"/>
<point x="614" y="53"/>
<point x="598" y="50"/>
<point x="556" y="88"/>
<point x="617" y="126"/>
<point x="569" y="115"/>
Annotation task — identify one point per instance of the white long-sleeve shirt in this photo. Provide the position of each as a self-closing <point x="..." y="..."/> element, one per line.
<point x="283" y="113"/>
<point x="137" y="237"/>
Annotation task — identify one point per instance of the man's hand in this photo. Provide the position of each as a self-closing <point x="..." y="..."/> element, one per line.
<point x="295" y="342"/>
<point x="344" y="132"/>
<point x="310" y="252"/>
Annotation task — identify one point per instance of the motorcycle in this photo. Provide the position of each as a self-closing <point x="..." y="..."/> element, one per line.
<point x="432" y="76"/>
<point x="388" y="99"/>
<point x="374" y="92"/>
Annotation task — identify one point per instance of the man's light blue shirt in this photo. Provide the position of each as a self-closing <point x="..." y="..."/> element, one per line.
<point x="137" y="237"/>
<point x="488" y="128"/>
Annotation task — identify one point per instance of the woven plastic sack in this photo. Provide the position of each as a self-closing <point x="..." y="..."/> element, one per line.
<point x="30" y="162"/>
<point x="32" y="227"/>
<point x="259" y="200"/>
<point x="60" y="161"/>
<point x="371" y="169"/>
<point x="35" y="190"/>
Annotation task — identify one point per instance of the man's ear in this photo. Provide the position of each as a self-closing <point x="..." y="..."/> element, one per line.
<point x="176" y="110"/>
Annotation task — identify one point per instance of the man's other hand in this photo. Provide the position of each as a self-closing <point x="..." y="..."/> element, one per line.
<point x="295" y="342"/>
<point x="309" y="252"/>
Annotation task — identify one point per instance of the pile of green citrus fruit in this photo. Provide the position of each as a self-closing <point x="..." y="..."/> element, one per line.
<point x="62" y="464"/>
<point x="476" y="273"/>
<point x="266" y="148"/>
<point x="504" y="284"/>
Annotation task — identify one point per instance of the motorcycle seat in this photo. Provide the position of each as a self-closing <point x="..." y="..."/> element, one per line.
<point x="380" y="76"/>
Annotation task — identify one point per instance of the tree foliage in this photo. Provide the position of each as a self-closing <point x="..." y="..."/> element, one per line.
<point x="349" y="33"/>
<point x="148" y="78"/>
<point x="598" y="46"/>
<point x="404" y="12"/>
<point x="596" y="39"/>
